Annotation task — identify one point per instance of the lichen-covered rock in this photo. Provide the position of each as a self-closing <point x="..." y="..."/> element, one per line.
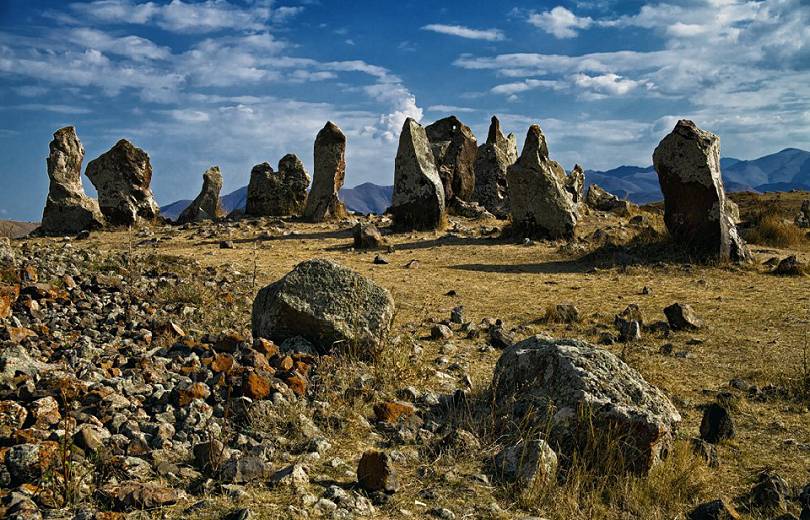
<point x="603" y="200"/>
<point x="492" y="160"/>
<point x="122" y="177"/>
<point x="587" y="399"/>
<point x="454" y="149"/>
<point x="330" y="170"/>
<point x="68" y="209"/>
<point x="207" y="205"/>
<point x="695" y="211"/>
<point x="530" y="464"/>
<point x="279" y="193"/>
<point x="539" y="201"/>
<point x="327" y="304"/>
<point x="418" y="200"/>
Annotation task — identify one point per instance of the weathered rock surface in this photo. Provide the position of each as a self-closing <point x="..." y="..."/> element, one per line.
<point x="720" y="509"/>
<point x="330" y="170"/>
<point x="540" y="203"/>
<point x="454" y="150"/>
<point x="530" y="464"/>
<point x="279" y="193"/>
<point x="566" y="384"/>
<point x="122" y="177"/>
<point x="68" y="209"/>
<point x="695" y="211"/>
<point x="329" y="305"/>
<point x="802" y="219"/>
<point x="207" y="205"/>
<point x="575" y="183"/>
<point x="375" y="472"/>
<point x="717" y="424"/>
<point x="681" y="316"/>
<point x="418" y="200"/>
<point x="492" y="160"/>
<point x="367" y="236"/>
<point x="599" y="198"/>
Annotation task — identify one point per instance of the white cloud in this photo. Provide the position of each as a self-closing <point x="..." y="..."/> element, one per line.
<point x="528" y="84"/>
<point x="133" y="47"/>
<point x="611" y="84"/>
<point x="465" y="32"/>
<point x="559" y="22"/>
<point x="403" y="104"/>
<point x="48" y="107"/>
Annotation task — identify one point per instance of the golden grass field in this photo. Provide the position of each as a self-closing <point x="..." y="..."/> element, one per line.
<point x="756" y="327"/>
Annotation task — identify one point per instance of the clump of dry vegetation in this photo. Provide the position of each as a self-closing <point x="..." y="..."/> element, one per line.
<point x="769" y="226"/>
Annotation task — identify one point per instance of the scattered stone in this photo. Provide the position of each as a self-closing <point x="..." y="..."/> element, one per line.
<point x="380" y="260"/>
<point x="207" y="205"/>
<point x="789" y="266"/>
<point x="418" y="200"/>
<point x="706" y="451"/>
<point x="122" y="177"/>
<point x="390" y="412"/>
<point x="769" y="493"/>
<point x="132" y="495"/>
<point x="367" y="236"/>
<point x="454" y="150"/>
<point x="540" y="203"/>
<point x="279" y="193"/>
<point x="330" y="169"/>
<point x="329" y="305"/>
<point x="492" y="160"/>
<point x="600" y="199"/>
<point x="242" y="469"/>
<point x="457" y="314"/>
<point x="574" y="375"/>
<point x="226" y="244"/>
<point x="531" y="464"/>
<point x="440" y="331"/>
<point x="720" y="509"/>
<point x="682" y="317"/>
<point x="695" y="211"/>
<point x="717" y="424"/>
<point x="68" y="209"/>
<point x="375" y="472"/>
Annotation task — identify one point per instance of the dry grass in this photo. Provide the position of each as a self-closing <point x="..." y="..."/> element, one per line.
<point x="756" y="327"/>
<point x="773" y="230"/>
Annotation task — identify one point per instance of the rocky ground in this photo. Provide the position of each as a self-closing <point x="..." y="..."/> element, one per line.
<point x="131" y="385"/>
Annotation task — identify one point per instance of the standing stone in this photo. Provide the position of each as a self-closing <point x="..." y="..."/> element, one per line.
<point x="207" y="205"/>
<point x="492" y="160"/>
<point x="68" y="209"/>
<point x="375" y="472"/>
<point x="418" y="198"/>
<point x="695" y="210"/>
<point x="330" y="170"/>
<point x="586" y="399"/>
<point x="122" y="177"/>
<point x="279" y="193"/>
<point x="602" y="200"/>
<point x="454" y="149"/>
<point x="540" y="203"/>
<point x="575" y="183"/>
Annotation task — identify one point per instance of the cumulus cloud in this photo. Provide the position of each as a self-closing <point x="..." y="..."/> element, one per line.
<point x="465" y="32"/>
<point x="559" y="22"/>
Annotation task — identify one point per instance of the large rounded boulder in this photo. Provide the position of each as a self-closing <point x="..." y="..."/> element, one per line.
<point x="588" y="400"/>
<point x="331" y="306"/>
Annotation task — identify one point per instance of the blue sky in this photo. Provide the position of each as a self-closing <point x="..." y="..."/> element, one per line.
<point x="238" y="82"/>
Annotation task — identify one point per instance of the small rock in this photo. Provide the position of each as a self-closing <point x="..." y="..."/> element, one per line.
<point x="375" y="472"/>
<point x="682" y="317"/>
<point x="717" y="424"/>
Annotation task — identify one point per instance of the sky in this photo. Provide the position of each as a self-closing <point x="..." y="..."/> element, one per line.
<point x="238" y="82"/>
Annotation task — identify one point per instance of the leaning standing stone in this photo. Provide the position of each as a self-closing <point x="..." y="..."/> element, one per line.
<point x="454" y="149"/>
<point x="492" y="160"/>
<point x="122" y="177"/>
<point x="330" y="170"/>
<point x="418" y="198"/>
<point x="68" y="209"/>
<point x="695" y="207"/>
<point x="207" y="205"/>
<point x="541" y="205"/>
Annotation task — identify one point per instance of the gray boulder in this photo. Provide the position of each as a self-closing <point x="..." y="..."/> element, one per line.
<point x="418" y="199"/>
<point x="327" y="304"/>
<point x="207" y="204"/>
<point x="68" y="209"/>
<point x="122" y="177"/>
<point x="492" y="160"/>
<point x="602" y="200"/>
<point x="454" y="149"/>
<point x="279" y="193"/>
<point x="587" y="399"/>
<point x="330" y="170"/>
<point x="695" y="209"/>
<point x="540" y="203"/>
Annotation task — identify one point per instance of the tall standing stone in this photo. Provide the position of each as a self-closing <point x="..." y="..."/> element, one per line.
<point x="68" y="209"/>
<point x="279" y="193"/>
<point x="330" y="170"/>
<point x="540" y="203"/>
<point x="418" y="197"/>
<point x="492" y="160"/>
<point x="207" y="205"/>
<point x="695" y="206"/>
<point x="575" y="183"/>
<point x="122" y="177"/>
<point x="454" y="150"/>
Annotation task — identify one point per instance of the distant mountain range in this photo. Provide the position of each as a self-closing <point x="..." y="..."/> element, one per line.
<point x="781" y="171"/>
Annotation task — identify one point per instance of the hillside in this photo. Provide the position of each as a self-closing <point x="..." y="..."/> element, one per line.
<point x="15" y="229"/>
